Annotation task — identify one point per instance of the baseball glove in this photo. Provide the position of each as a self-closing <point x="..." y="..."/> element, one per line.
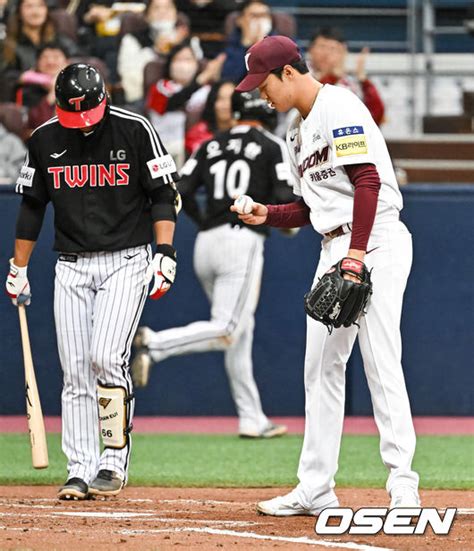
<point x="336" y="301"/>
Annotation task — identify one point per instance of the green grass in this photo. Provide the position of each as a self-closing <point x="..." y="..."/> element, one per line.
<point x="215" y="460"/>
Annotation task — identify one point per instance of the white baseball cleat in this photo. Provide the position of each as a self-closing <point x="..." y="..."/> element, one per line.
<point x="288" y="505"/>
<point x="270" y="431"/>
<point x="404" y="496"/>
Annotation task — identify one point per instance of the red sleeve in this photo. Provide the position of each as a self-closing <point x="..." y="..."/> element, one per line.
<point x="373" y="101"/>
<point x="196" y="135"/>
<point x="156" y="99"/>
<point x="290" y="215"/>
<point x="366" y="181"/>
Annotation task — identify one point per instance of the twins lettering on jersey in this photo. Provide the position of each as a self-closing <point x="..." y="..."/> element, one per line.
<point x="114" y="174"/>
<point x="315" y="159"/>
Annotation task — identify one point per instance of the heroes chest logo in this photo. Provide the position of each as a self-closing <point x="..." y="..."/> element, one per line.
<point x="316" y="158"/>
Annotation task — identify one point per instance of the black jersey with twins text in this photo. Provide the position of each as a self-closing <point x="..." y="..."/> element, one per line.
<point x="99" y="183"/>
<point x="246" y="160"/>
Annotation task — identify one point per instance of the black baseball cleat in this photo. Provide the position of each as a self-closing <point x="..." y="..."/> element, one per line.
<point x="106" y="483"/>
<point x="75" y="488"/>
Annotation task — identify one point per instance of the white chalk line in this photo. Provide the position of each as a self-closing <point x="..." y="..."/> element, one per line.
<point x="217" y="532"/>
<point x="6" y="502"/>
<point x="202" y="502"/>
<point x="55" y="500"/>
<point x="252" y="535"/>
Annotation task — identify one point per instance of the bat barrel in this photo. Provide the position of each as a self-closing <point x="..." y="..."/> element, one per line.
<point x="34" y="413"/>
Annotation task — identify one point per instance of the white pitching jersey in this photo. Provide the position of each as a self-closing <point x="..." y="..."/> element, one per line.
<point x="338" y="131"/>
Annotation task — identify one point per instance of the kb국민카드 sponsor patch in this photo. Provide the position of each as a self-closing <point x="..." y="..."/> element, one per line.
<point x="349" y="140"/>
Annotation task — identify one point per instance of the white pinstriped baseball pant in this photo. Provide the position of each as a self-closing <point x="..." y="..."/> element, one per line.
<point x="98" y="301"/>
<point x="228" y="262"/>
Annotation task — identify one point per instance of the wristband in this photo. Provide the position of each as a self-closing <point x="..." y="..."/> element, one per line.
<point x="166" y="250"/>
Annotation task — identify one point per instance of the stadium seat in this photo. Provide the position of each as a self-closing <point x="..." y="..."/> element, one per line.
<point x="95" y="62"/>
<point x="14" y="118"/>
<point x="131" y="23"/>
<point x="152" y="72"/>
<point x="65" y="22"/>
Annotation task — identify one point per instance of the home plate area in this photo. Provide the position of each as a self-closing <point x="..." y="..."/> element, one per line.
<point x="200" y="518"/>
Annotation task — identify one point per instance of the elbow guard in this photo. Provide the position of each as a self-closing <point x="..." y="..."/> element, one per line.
<point x="165" y="203"/>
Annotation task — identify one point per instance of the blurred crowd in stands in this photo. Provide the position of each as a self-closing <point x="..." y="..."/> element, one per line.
<point x="176" y="61"/>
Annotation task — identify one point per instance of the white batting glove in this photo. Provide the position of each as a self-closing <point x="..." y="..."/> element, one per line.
<point x="162" y="270"/>
<point x="17" y="286"/>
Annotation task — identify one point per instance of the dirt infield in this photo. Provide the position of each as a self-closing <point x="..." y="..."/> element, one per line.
<point x="200" y="518"/>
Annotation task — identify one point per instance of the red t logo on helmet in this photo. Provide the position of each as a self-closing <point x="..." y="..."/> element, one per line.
<point x="77" y="102"/>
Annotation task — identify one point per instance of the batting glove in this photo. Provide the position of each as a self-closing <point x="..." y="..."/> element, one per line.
<point x="17" y="286"/>
<point x="163" y="270"/>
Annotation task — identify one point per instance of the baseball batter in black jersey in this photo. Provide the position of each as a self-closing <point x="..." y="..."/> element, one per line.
<point x="111" y="184"/>
<point x="228" y="257"/>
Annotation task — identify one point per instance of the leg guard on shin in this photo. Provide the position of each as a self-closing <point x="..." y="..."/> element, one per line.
<point x="114" y="415"/>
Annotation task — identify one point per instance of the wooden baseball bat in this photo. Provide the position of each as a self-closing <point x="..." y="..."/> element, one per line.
<point x="34" y="414"/>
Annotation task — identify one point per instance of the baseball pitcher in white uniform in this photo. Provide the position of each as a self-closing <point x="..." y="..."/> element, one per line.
<point x="349" y="193"/>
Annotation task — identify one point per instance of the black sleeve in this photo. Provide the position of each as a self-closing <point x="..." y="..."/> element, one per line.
<point x="191" y="179"/>
<point x="30" y="219"/>
<point x="178" y="100"/>
<point x="31" y="182"/>
<point x="280" y="172"/>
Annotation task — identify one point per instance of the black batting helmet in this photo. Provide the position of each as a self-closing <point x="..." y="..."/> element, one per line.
<point x="251" y="107"/>
<point x="81" y="98"/>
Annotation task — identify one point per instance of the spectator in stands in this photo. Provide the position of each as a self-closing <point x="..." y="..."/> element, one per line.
<point x="165" y="28"/>
<point x="327" y="58"/>
<point x="99" y="22"/>
<point x="208" y="22"/>
<point x="12" y="154"/>
<point x="34" y="84"/>
<point x="253" y="23"/>
<point x="36" y="89"/>
<point x="216" y="117"/>
<point x="182" y="90"/>
<point x="29" y="28"/>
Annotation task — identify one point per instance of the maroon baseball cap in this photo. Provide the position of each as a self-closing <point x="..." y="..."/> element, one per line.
<point x="272" y="52"/>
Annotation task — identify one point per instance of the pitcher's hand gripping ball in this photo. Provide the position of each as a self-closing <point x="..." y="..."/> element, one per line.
<point x="244" y="204"/>
<point x="336" y="301"/>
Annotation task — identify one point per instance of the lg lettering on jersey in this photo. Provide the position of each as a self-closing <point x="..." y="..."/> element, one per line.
<point x="372" y="520"/>
<point x="315" y="159"/>
<point x="91" y="175"/>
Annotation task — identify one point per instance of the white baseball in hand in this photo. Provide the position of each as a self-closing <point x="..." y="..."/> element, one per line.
<point x="244" y="204"/>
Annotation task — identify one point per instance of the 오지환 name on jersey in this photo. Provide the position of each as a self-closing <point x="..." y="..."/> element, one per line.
<point x="350" y="140"/>
<point x="114" y="174"/>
